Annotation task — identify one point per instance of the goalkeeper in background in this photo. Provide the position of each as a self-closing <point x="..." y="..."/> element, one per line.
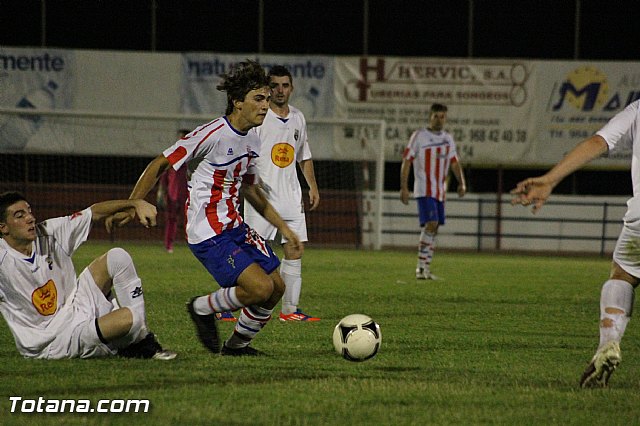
<point x="616" y="298"/>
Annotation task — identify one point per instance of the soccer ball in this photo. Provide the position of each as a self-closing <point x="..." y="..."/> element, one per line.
<point x="357" y="337"/>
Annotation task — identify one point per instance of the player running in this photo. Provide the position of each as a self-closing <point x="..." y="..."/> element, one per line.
<point x="222" y="160"/>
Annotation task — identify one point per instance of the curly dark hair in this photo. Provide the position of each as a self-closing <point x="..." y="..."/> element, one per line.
<point x="243" y="78"/>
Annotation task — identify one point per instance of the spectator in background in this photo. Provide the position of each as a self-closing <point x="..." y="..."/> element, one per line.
<point x="171" y="197"/>
<point x="431" y="151"/>
<point x="616" y="298"/>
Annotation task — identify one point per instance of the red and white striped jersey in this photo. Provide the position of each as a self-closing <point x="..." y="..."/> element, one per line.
<point x="431" y="155"/>
<point x="219" y="157"/>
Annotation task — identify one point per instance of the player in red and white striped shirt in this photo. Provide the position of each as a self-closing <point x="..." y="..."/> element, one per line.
<point x="431" y="152"/>
<point x="221" y="156"/>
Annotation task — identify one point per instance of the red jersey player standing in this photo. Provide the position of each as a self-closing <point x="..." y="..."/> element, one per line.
<point x="172" y="195"/>
<point x="431" y="151"/>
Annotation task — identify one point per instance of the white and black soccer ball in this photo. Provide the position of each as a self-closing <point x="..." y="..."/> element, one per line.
<point x="357" y="337"/>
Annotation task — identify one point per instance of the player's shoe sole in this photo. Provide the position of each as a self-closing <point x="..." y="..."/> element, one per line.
<point x="226" y="317"/>
<point x="164" y="355"/>
<point x="297" y="316"/>
<point x="603" y="364"/>
<point x="421" y="274"/>
<point x="206" y="328"/>
<point x="147" y="348"/>
<point x="246" y="351"/>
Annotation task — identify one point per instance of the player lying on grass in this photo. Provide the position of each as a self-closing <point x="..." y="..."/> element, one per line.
<point x="222" y="162"/>
<point x="54" y="314"/>
<point x="616" y="299"/>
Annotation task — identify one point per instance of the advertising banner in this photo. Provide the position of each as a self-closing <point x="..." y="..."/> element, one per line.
<point x="574" y="100"/>
<point x="513" y="113"/>
<point x="312" y="81"/>
<point x="489" y="102"/>
<point x="35" y="79"/>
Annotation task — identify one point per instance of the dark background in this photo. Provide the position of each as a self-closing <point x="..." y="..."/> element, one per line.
<point x="540" y="29"/>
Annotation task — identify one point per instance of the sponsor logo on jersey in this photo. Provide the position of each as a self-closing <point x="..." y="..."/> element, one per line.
<point x="282" y="154"/>
<point x="137" y="292"/>
<point x="45" y="299"/>
<point x="230" y="151"/>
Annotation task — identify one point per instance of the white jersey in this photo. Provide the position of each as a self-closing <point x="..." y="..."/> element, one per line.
<point x="622" y="132"/>
<point x="36" y="292"/>
<point x="284" y="143"/>
<point x="431" y="154"/>
<point x="218" y="156"/>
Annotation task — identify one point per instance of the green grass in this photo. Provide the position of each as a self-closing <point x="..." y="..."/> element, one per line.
<point x="502" y="340"/>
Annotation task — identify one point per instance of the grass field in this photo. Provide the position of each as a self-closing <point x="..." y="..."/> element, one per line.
<point x="502" y="340"/>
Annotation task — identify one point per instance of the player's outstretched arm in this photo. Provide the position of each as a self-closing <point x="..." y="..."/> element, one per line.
<point x="146" y="182"/>
<point x="146" y="212"/>
<point x="535" y="191"/>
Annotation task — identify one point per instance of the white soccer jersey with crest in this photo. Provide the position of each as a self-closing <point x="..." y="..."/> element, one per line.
<point x="284" y="143"/>
<point x="431" y="154"/>
<point x="622" y="133"/>
<point x="218" y="158"/>
<point x="36" y="292"/>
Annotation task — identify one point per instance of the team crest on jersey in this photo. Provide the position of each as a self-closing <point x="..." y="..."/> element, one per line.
<point x="230" y="151"/>
<point x="45" y="299"/>
<point x="282" y="154"/>
<point x="296" y="134"/>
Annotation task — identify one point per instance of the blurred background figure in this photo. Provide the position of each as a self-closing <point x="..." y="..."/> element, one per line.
<point x="171" y="197"/>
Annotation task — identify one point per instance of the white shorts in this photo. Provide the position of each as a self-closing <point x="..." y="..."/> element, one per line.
<point x="267" y="231"/>
<point x="79" y="337"/>
<point x="627" y="251"/>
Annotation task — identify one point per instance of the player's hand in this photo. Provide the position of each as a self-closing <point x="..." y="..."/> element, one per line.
<point x="532" y="191"/>
<point x="146" y="213"/>
<point x="404" y="196"/>
<point x="292" y="238"/>
<point x="119" y="219"/>
<point x="314" y="198"/>
<point x="462" y="189"/>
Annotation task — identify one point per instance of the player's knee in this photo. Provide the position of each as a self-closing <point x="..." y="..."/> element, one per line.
<point x="431" y="227"/>
<point x="262" y="290"/>
<point x="278" y="287"/>
<point x="293" y="253"/>
<point x="118" y="259"/>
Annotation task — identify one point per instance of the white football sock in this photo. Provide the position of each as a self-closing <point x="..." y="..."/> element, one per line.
<point x="425" y="250"/>
<point x="221" y="300"/>
<point x="128" y="289"/>
<point x="291" y="272"/>
<point x="251" y="320"/>
<point x="616" y="294"/>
